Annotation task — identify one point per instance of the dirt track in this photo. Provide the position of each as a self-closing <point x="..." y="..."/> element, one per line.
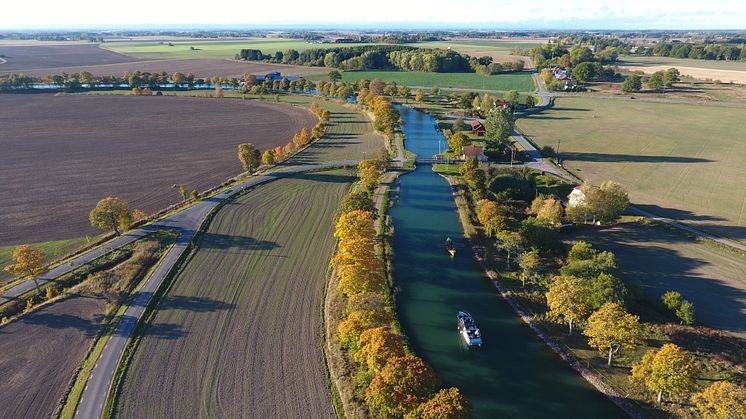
<point x="62" y="154"/>
<point x="22" y="57"/>
<point x="40" y="352"/>
<point x="239" y="334"/>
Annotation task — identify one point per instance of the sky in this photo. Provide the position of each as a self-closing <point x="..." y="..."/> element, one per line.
<point x="379" y="14"/>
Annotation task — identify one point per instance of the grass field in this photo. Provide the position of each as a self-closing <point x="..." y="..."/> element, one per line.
<point x="511" y="81"/>
<point x="239" y="334"/>
<point x="212" y="49"/>
<point x="682" y="161"/>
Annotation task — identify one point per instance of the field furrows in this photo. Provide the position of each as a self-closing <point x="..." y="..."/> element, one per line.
<point x="239" y="333"/>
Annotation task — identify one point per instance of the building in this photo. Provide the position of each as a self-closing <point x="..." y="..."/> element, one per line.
<point x="576" y="197"/>
<point x="474" y="152"/>
<point x="501" y="104"/>
<point x="477" y="128"/>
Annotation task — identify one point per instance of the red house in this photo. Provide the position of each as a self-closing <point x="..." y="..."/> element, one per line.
<point x="477" y="128"/>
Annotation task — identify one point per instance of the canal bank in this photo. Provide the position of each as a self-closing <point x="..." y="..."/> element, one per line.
<point x="514" y="374"/>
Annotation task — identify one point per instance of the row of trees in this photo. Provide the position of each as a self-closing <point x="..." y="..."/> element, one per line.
<point x="659" y="80"/>
<point x="392" y="383"/>
<point x="697" y="51"/>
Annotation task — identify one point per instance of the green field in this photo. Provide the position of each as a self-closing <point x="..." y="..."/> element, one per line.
<point x="684" y="161"/>
<point x="500" y="82"/>
<point x="239" y="334"/>
<point x="212" y="49"/>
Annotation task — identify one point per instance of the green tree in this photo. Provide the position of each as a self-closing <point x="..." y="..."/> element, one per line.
<point x="607" y="202"/>
<point x="498" y="126"/>
<point x="334" y="76"/>
<point x="511" y="242"/>
<point x="670" y="77"/>
<point x="111" y="213"/>
<point x="721" y="400"/>
<point x="567" y="298"/>
<point x="611" y="328"/>
<point x="584" y="72"/>
<point x="530" y="102"/>
<point x="358" y="200"/>
<point x="669" y="370"/>
<point x="633" y="83"/>
<point x="539" y="233"/>
<point x="249" y="156"/>
<point x="685" y="312"/>
<point x="512" y="97"/>
<point x="457" y="141"/>
<point x="655" y="82"/>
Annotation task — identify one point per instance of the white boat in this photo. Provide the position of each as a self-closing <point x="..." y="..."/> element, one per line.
<point x="468" y="329"/>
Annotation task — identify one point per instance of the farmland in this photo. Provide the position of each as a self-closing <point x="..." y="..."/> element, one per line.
<point x="510" y="81"/>
<point x="211" y="49"/>
<point x="682" y="161"/>
<point x="239" y="334"/>
<point x="137" y="148"/>
<point x="725" y="71"/>
<point x="500" y="50"/>
<point x="29" y="56"/>
<point x="53" y="249"/>
<point x="200" y="68"/>
<point x="660" y="260"/>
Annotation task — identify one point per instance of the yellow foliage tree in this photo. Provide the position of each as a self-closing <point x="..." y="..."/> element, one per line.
<point x="551" y="210"/>
<point x="568" y="299"/>
<point x="376" y="346"/>
<point x="611" y="328"/>
<point x="401" y="386"/>
<point x="27" y="262"/>
<point x="491" y="215"/>
<point x="668" y="370"/>
<point x="358" y="321"/>
<point x="448" y="403"/>
<point x="111" y="213"/>
<point x="721" y="400"/>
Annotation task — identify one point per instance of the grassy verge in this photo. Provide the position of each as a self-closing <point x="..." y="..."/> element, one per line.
<point x="72" y="397"/>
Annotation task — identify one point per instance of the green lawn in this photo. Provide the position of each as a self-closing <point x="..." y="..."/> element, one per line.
<point x="501" y="82"/>
<point x="684" y="161"/>
<point x="212" y="49"/>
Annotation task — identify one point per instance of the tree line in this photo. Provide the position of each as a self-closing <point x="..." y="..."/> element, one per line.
<point x="697" y="51"/>
<point x="391" y="381"/>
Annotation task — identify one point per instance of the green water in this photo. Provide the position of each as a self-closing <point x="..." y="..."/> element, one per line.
<point x="513" y="374"/>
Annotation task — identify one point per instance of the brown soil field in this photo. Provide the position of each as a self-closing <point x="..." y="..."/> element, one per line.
<point x="61" y="154"/>
<point x="40" y="352"/>
<point x="660" y="260"/>
<point x="23" y="57"/>
<point x="239" y="333"/>
<point x="198" y="67"/>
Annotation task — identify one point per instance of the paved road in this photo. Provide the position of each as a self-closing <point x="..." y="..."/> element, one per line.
<point x="186" y="222"/>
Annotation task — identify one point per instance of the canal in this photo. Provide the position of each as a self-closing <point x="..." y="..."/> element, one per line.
<point x="513" y="374"/>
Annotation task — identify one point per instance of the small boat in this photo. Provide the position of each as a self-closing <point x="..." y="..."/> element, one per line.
<point x="468" y="329"/>
<point x="450" y="247"/>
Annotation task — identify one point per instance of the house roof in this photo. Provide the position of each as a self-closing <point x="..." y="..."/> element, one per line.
<point x="476" y="124"/>
<point x="473" y="150"/>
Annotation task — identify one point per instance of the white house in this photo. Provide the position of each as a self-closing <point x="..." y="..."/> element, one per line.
<point x="576" y="197"/>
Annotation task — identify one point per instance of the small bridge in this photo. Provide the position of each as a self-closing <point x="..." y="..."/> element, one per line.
<point x="432" y="160"/>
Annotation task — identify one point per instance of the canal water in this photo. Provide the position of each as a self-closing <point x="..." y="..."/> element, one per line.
<point x="513" y="374"/>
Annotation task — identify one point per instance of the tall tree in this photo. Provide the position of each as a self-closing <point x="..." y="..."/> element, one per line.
<point x="111" y="213"/>
<point x="529" y="263"/>
<point x="499" y="125"/>
<point x="334" y="76"/>
<point x="27" y="262"/>
<point x="655" y="82"/>
<point x="633" y="83"/>
<point x="448" y="403"/>
<point x="249" y="156"/>
<point x="669" y="370"/>
<point x="611" y="328"/>
<point x="376" y="346"/>
<point x="567" y="299"/>
<point x="607" y="202"/>
<point x="401" y="386"/>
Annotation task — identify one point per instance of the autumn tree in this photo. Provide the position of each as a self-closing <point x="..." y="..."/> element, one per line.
<point x="365" y="311"/>
<point x="457" y="141"/>
<point x="401" y="386"/>
<point x="567" y="299"/>
<point x="607" y="202"/>
<point x="376" y="346"/>
<point x="491" y="215"/>
<point x="249" y="156"/>
<point x="448" y="403"/>
<point x="139" y="215"/>
<point x="358" y="266"/>
<point x="419" y="96"/>
<point x="369" y="172"/>
<point x="721" y="400"/>
<point x="358" y="200"/>
<point x="268" y="157"/>
<point x="111" y="213"/>
<point x="548" y="209"/>
<point x="529" y="264"/>
<point x="27" y="262"/>
<point x="510" y="241"/>
<point x="669" y="370"/>
<point x="611" y="328"/>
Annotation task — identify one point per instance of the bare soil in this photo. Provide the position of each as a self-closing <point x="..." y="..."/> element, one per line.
<point x="40" y="352"/>
<point x="61" y="154"/>
<point x="25" y="57"/>
<point x="198" y="67"/>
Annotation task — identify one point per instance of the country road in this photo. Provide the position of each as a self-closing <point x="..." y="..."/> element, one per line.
<point x="187" y="222"/>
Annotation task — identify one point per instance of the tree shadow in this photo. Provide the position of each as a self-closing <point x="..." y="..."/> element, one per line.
<point x="193" y="303"/>
<point x="89" y="327"/>
<point x="629" y="158"/>
<point x="677" y="214"/>
<point x="228" y="241"/>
